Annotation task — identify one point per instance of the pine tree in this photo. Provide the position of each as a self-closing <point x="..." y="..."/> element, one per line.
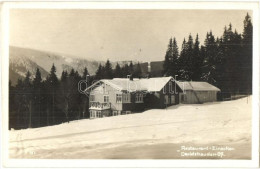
<point x="28" y="97"/>
<point x="189" y="58"/>
<point x="20" y="105"/>
<point x="224" y="45"/>
<point x="13" y="116"/>
<point x="108" y="70"/>
<point x="131" y="68"/>
<point x="230" y="48"/>
<point x="204" y="62"/>
<point x="118" y="71"/>
<point x="84" y="106"/>
<point x="75" y="108"/>
<point x="209" y="64"/>
<point x="220" y="63"/>
<point x="197" y="61"/>
<point x="185" y="59"/>
<point x="46" y="96"/>
<point x="99" y="73"/>
<point x="247" y="55"/>
<point x="166" y="63"/>
<point x="64" y="76"/>
<point x="53" y="77"/>
<point x="174" y="67"/>
<point x="236" y="52"/>
<point x="182" y="61"/>
<point x="125" y="70"/>
<point x="85" y="73"/>
<point x="65" y="95"/>
<point x="52" y="83"/>
<point x="138" y="71"/>
<point x="37" y="92"/>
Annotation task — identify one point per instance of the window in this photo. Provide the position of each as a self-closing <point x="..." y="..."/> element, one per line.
<point x="92" y="98"/>
<point x="126" y="98"/>
<point x="126" y="112"/>
<point x="116" y="113"/>
<point x="119" y="98"/>
<point x="170" y="87"/>
<point x="139" y="98"/>
<point x="98" y="114"/>
<point x="106" y="99"/>
<point x="182" y="98"/>
<point x="92" y="114"/>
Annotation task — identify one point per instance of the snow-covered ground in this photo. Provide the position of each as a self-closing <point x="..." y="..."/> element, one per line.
<point x="157" y="133"/>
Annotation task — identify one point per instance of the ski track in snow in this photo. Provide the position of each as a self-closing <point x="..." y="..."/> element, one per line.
<point x="220" y="122"/>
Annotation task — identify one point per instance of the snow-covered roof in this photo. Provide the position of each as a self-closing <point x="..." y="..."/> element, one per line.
<point x="153" y="84"/>
<point x="149" y="84"/>
<point x="197" y="86"/>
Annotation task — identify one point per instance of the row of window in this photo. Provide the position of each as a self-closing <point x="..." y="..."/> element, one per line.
<point x="95" y="114"/>
<point x="116" y="113"/>
<point x="106" y="99"/>
<point x="125" y="98"/>
<point x="98" y="114"/>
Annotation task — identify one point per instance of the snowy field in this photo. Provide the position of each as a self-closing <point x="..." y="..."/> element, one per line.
<point x="154" y="134"/>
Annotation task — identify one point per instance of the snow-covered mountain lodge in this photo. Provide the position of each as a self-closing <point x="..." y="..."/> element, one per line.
<point x="111" y="97"/>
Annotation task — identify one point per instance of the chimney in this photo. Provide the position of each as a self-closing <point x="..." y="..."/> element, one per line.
<point x="87" y="78"/>
<point x="149" y="70"/>
<point x="130" y="77"/>
<point x="149" y="67"/>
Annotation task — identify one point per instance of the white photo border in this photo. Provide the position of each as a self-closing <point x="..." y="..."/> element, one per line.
<point x="68" y="163"/>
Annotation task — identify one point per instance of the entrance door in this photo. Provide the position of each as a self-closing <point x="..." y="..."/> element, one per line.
<point x="93" y="113"/>
<point x="166" y="99"/>
<point x="172" y="99"/>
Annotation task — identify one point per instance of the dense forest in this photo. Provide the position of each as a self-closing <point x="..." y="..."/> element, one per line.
<point x="225" y="62"/>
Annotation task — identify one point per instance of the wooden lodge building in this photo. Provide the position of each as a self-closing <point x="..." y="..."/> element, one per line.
<point x="197" y="92"/>
<point x="120" y="96"/>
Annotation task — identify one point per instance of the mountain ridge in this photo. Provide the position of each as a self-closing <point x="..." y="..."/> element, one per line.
<point x="26" y="59"/>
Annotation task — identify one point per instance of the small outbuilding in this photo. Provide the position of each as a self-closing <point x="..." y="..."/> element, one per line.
<point x="197" y="92"/>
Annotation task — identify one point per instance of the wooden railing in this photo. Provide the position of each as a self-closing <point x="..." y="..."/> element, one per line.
<point x="98" y="105"/>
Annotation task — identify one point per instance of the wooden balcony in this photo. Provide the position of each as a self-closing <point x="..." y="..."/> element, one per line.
<point x="99" y="106"/>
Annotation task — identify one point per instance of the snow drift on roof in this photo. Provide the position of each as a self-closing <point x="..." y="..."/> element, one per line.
<point x="197" y="86"/>
<point x="150" y="84"/>
<point x="153" y="84"/>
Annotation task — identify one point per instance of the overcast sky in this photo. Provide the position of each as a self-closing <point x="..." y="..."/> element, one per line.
<point x="141" y="35"/>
